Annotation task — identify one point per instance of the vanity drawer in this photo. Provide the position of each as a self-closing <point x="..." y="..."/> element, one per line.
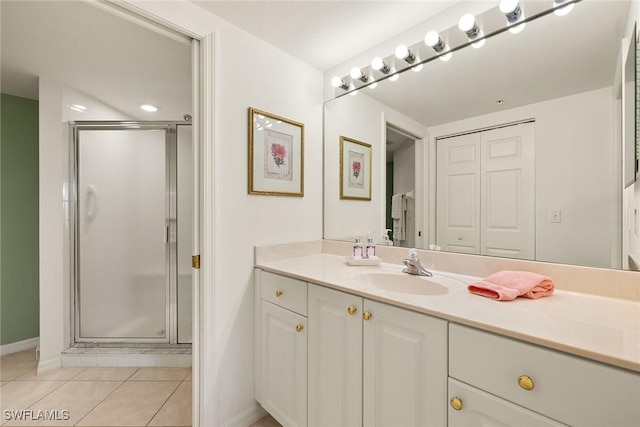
<point x="567" y="388"/>
<point x="284" y="291"/>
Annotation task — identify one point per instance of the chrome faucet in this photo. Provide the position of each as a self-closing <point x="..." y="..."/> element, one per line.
<point x="413" y="265"/>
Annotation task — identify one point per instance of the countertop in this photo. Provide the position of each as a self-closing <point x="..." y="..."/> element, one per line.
<point x="598" y="328"/>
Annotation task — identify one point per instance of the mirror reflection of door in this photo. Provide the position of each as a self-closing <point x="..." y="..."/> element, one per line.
<point x="400" y="187"/>
<point x="486" y="192"/>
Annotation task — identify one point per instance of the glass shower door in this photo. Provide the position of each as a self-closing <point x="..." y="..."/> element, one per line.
<point x="123" y="229"/>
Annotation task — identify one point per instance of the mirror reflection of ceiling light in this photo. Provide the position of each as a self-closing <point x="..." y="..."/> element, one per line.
<point x="78" y="107"/>
<point x="394" y="76"/>
<point x="561" y="9"/>
<point x="149" y="108"/>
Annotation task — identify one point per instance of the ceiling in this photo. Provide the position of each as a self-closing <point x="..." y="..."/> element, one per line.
<point x="325" y="33"/>
<point x="125" y="65"/>
<point x="103" y="55"/>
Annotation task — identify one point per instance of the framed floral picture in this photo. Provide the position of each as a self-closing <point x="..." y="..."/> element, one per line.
<point x="276" y="155"/>
<point x="355" y="169"/>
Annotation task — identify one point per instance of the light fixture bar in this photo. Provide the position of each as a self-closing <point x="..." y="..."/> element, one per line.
<point x="390" y="67"/>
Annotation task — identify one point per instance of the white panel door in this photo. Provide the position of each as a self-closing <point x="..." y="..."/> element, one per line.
<point x="458" y="190"/>
<point x="507" y="191"/>
<point x="405" y="368"/>
<point x="335" y="358"/>
<point x="284" y="365"/>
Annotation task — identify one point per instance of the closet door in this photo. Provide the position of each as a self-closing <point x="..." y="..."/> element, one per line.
<point x="507" y="185"/>
<point x="458" y="189"/>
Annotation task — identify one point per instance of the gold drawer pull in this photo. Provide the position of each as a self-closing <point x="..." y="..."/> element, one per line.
<point x="366" y="315"/>
<point x="351" y="310"/>
<point x="299" y="328"/>
<point x="525" y="382"/>
<point x="456" y="403"/>
<point x="278" y="293"/>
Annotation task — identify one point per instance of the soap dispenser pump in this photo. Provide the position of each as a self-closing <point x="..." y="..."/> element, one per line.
<point x="357" y="248"/>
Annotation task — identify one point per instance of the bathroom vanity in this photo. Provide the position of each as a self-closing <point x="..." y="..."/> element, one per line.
<point x="341" y="345"/>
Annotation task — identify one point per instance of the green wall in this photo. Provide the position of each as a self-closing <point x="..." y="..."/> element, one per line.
<point x="19" y="295"/>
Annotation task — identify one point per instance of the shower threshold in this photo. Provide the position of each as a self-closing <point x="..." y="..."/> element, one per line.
<point x="131" y="355"/>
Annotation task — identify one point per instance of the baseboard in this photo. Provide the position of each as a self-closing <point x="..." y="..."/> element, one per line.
<point x="248" y="417"/>
<point x="49" y="365"/>
<point x="15" y="347"/>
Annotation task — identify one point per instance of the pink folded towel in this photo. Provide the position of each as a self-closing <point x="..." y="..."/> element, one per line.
<point x="508" y="285"/>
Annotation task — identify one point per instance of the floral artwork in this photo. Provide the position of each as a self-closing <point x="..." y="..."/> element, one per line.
<point x="278" y="162"/>
<point x="276" y="155"/>
<point x="355" y="169"/>
<point x="356" y="177"/>
<point x="278" y="152"/>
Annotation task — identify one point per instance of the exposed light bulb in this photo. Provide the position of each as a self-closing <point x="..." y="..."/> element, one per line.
<point x="354" y="93"/>
<point x="418" y="68"/>
<point x="561" y="9"/>
<point x="337" y="82"/>
<point x="446" y="57"/>
<point x="402" y="52"/>
<point x="479" y="43"/>
<point x="432" y="39"/>
<point x="509" y="7"/>
<point x="356" y="73"/>
<point x="378" y="64"/>
<point x="467" y="23"/>
<point x="373" y="85"/>
<point x="394" y="76"/>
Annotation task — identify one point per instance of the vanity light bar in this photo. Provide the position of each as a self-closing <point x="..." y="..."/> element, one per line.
<point x="468" y="32"/>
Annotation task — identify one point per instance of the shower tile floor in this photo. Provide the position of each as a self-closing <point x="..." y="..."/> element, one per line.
<point x="93" y="396"/>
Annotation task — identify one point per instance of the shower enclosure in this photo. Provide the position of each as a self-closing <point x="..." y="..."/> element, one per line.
<point x="132" y="220"/>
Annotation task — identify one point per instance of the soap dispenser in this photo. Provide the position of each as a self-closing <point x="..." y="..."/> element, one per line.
<point x="357" y="248"/>
<point x="370" y="250"/>
<point x="386" y="241"/>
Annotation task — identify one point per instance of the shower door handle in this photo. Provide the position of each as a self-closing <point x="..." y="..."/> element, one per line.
<point x="166" y="234"/>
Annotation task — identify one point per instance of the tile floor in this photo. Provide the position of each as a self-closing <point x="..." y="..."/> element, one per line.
<point x="93" y="396"/>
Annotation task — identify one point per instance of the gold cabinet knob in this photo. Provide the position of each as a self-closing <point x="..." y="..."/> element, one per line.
<point x="299" y="328"/>
<point x="525" y="382"/>
<point x="278" y="293"/>
<point x="351" y="310"/>
<point x="456" y="403"/>
<point x="366" y="315"/>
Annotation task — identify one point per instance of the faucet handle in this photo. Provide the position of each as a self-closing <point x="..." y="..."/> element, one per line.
<point x="412" y="254"/>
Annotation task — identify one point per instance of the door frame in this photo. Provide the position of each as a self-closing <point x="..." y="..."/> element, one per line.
<point x="191" y="20"/>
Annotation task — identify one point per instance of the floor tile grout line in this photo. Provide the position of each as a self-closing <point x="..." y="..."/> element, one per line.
<point x="163" y="403"/>
<point x="103" y="399"/>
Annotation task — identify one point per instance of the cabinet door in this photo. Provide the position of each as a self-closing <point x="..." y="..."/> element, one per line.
<point x="284" y="365"/>
<point x="480" y="409"/>
<point x="335" y="358"/>
<point x="405" y="368"/>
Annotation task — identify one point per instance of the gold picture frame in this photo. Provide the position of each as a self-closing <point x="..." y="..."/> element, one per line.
<point x="276" y="155"/>
<point x="355" y="169"/>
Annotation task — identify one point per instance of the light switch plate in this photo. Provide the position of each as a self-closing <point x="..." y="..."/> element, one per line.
<point x="555" y="215"/>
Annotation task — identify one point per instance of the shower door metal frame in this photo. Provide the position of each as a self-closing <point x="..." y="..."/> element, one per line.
<point x="171" y="232"/>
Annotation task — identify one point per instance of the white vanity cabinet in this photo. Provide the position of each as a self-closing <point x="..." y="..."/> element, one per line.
<point x="561" y="387"/>
<point x="374" y="364"/>
<point x="281" y="341"/>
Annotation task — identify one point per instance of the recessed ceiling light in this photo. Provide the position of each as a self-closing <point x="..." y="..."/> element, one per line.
<point x="78" y="107"/>
<point x="149" y="108"/>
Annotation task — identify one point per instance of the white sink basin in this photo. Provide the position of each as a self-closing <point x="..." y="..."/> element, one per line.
<point x="403" y="283"/>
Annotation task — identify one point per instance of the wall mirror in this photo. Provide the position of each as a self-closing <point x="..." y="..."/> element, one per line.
<point x="512" y="149"/>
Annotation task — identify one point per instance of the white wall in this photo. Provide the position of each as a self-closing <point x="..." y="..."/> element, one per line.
<point x="55" y="207"/>
<point x="364" y="119"/>
<point x="252" y="73"/>
<point x="574" y="173"/>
